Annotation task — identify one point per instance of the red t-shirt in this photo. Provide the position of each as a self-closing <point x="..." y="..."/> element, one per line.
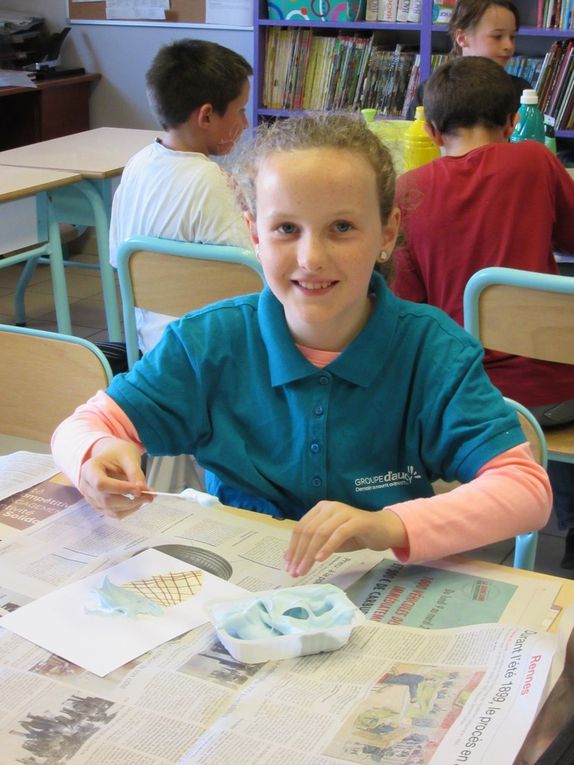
<point x="502" y="204"/>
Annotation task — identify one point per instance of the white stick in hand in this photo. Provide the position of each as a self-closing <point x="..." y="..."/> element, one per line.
<point x="201" y="497"/>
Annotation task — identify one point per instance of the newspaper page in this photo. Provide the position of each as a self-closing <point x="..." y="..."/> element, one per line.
<point x="244" y="549"/>
<point x="21" y="470"/>
<point x="451" y="593"/>
<point x="183" y="698"/>
<point x="393" y="695"/>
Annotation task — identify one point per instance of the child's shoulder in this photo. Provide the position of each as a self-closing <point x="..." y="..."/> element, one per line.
<point x="423" y="321"/>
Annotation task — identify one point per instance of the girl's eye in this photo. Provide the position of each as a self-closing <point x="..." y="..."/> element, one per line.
<point x="342" y="226"/>
<point x="286" y="228"/>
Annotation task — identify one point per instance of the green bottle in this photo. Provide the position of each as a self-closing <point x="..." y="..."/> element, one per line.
<point x="550" y="135"/>
<point x="530" y="125"/>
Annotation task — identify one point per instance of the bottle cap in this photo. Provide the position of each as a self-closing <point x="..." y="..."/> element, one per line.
<point x="529" y="97"/>
<point x="420" y="113"/>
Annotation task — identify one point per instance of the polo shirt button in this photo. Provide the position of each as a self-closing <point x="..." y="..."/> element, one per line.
<point x="323" y="380"/>
<point x="316" y="481"/>
<point x="315" y="447"/>
<point x="318" y="411"/>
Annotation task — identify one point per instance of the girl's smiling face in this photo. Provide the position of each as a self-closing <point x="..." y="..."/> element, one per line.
<point x="493" y="37"/>
<point x="319" y="233"/>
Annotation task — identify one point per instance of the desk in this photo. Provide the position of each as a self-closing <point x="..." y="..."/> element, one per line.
<point x="18" y="182"/>
<point x="98" y="155"/>
<point x="154" y="709"/>
<point x="54" y="108"/>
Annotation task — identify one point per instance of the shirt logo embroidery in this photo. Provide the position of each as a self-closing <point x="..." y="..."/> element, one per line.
<point x="388" y="479"/>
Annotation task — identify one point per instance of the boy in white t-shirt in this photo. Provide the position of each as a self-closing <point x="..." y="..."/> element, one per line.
<point x="172" y="189"/>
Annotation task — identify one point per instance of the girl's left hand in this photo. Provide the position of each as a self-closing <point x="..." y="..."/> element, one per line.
<point x="335" y="527"/>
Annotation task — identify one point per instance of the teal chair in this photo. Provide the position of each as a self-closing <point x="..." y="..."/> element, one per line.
<point x="526" y="544"/>
<point x="526" y="314"/>
<point x="174" y="278"/>
<point x="44" y="376"/>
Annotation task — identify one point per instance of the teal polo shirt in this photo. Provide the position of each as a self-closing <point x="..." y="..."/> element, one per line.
<point x="407" y="402"/>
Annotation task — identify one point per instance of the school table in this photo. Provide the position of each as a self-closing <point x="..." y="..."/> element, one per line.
<point x="56" y="706"/>
<point x="19" y="182"/>
<point x="98" y="156"/>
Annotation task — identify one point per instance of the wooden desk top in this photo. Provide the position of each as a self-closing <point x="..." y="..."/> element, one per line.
<point x="57" y="82"/>
<point x="99" y="153"/>
<point x="17" y="182"/>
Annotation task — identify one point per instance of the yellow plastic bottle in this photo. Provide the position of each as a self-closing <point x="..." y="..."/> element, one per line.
<point x="419" y="149"/>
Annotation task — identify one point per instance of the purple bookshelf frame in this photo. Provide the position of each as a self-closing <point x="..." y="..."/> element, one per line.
<point x="425" y="29"/>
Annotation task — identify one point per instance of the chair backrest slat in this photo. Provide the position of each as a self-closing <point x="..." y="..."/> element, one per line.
<point x="43" y="377"/>
<point x="173" y="278"/>
<point x="527" y="322"/>
<point x="177" y="285"/>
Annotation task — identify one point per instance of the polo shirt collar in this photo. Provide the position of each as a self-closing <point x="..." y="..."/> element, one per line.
<point x="359" y="363"/>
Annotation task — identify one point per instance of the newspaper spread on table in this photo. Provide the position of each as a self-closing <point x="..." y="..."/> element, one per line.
<point x="395" y="694"/>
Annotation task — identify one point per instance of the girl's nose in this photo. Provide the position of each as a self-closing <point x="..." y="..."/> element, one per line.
<point x="311" y="253"/>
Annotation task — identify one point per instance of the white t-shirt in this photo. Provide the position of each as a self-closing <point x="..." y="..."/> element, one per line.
<point x="174" y="195"/>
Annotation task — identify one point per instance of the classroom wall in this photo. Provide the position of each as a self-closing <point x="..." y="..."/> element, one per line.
<point x="122" y="53"/>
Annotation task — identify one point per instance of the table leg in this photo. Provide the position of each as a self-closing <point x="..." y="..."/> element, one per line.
<point x="49" y="230"/>
<point x="92" y="207"/>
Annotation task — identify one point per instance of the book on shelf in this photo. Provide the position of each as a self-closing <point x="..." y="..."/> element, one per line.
<point x="372" y="10"/>
<point x="388" y="10"/>
<point x="554" y="84"/>
<point x="412" y="85"/>
<point x="414" y="15"/>
<point x="563" y="75"/>
<point x="403" y="10"/>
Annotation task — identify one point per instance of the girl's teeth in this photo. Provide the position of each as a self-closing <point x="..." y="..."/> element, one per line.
<point x="314" y="286"/>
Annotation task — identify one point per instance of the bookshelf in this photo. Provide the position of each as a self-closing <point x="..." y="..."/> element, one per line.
<point x="423" y="38"/>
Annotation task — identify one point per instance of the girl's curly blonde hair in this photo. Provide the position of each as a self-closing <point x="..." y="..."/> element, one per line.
<point x="345" y="131"/>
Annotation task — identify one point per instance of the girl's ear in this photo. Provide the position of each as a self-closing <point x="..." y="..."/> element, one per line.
<point x="391" y="231"/>
<point x="461" y="38"/>
<point x="252" y="225"/>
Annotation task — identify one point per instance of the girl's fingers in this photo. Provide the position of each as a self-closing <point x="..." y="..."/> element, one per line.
<point x="325" y="533"/>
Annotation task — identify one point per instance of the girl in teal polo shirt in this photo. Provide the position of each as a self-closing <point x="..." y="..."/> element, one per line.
<point x="324" y="399"/>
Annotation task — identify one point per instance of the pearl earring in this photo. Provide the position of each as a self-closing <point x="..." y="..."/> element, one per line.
<point x="384" y="256"/>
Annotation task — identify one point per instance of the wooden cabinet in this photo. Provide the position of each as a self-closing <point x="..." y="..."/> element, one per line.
<point x="55" y="108"/>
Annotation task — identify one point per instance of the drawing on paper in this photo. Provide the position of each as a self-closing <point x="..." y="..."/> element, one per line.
<point x="144" y="596"/>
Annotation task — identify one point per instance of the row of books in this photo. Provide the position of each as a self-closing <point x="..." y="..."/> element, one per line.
<point x="306" y="71"/>
<point x="528" y="67"/>
<point x="555" y="84"/>
<point x="391" y="11"/>
<point x="555" y="14"/>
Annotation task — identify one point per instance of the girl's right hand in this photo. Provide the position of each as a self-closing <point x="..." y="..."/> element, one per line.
<point x="113" y="470"/>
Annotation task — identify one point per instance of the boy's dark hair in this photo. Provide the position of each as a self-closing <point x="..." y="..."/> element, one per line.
<point x="187" y="74"/>
<point x="469" y="91"/>
<point x="467" y="14"/>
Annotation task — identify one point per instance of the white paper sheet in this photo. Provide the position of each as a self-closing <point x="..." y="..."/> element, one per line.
<point x="136" y="9"/>
<point x="15" y="79"/>
<point x="230" y="12"/>
<point x="99" y="643"/>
